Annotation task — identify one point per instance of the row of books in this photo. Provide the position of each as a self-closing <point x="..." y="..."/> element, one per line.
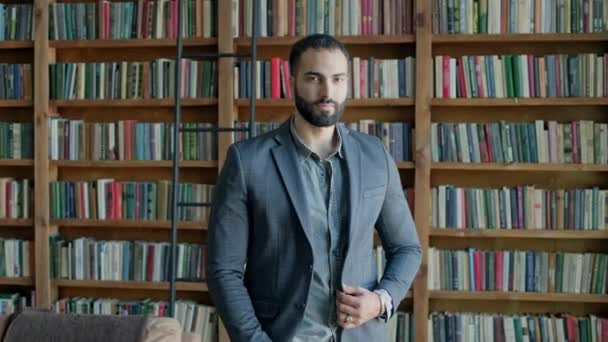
<point x="156" y="19"/>
<point x="400" y="327"/>
<point x="519" y="16"/>
<point x="16" y="21"/>
<point x="193" y="317"/>
<point x="521" y="207"/>
<point x="524" y="76"/>
<point x="15" y="258"/>
<point x="128" y="140"/>
<point x="517" y="271"/>
<point x="88" y="259"/>
<point x="15" y="81"/>
<point x="398" y="137"/>
<point x="580" y="142"/>
<point x="12" y="302"/>
<point x="107" y="199"/>
<point x="16" y="140"/>
<point x="370" y="78"/>
<point x="335" y="17"/>
<point x="464" y="327"/>
<point x="16" y="198"/>
<point x="131" y="80"/>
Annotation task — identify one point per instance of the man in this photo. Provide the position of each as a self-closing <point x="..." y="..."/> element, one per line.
<point x="292" y="225"/>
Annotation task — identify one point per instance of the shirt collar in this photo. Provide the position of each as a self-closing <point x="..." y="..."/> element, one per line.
<point x="304" y="151"/>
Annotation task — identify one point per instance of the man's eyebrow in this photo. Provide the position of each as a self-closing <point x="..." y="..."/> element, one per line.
<point x="314" y="73"/>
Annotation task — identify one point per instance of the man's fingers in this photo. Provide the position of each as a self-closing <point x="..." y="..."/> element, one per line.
<point x="347" y="309"/>
<point x="351" y="290"/>
<point x="349" y="300"/>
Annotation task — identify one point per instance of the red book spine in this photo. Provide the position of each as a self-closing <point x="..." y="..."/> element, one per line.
<point x="275" y="78"/>
<point x="498" y="271"/>
<point x="477" y="268"/>
<point x="150" y="263"/>
<point x="363" y="79"/>
<point x="446" y="77"/>
<point x="486" y="128"/>
<point x="478" y="76"/>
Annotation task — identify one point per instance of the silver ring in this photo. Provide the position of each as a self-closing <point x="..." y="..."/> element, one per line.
<point x="348" y="319"/>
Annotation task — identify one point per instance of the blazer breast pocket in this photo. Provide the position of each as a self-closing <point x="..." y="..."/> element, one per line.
<point x="375" y="191"/>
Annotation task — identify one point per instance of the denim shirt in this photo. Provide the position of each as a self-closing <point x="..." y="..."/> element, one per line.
<point x="326" y="184"/>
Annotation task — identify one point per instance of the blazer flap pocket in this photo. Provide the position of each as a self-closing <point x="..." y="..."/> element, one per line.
<point x="375" y="191"/>
<point x="265" y="309"/>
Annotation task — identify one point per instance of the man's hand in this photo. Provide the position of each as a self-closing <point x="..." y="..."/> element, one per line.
<point x="355" y="306"/>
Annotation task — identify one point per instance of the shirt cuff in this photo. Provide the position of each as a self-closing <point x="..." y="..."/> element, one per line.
<point x="387" y="302"/>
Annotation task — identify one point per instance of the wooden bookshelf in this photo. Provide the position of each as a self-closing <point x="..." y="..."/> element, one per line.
<point x="225" y="109"/>
<point x="347" y="40"/>
<point x="130" y="285"/>
<point x="22" y="281"/>
<point x="519" y="234"/>
<point x="16" y="222"/>
<point x="189" y="102"/>
<point x="16" y="103"/>
<point x="519" y="296"/>
<point x="520" y="38"/>
<point x="16" y="162"/>
<point x="203" y="164"/>
<point x="145" y="224"/>
<point x="129" y="43"/>
<point x="520" y="167"/>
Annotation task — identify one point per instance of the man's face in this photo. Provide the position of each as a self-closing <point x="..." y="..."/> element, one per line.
<point x="320" y="86"/>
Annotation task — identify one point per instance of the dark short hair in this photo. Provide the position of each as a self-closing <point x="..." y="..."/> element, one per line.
<point x="314" y="41"/>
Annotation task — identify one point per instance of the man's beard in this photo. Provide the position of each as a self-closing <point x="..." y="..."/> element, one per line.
<point x="314" y="116"/>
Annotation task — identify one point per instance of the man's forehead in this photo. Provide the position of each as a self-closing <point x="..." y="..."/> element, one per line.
<point x="323" y="61"/>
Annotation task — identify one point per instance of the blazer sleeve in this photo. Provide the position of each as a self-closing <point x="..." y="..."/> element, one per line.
<point x="227" y="253"/>
<point x="397" y="231"/>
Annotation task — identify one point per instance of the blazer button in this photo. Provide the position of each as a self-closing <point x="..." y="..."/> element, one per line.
<point x="310" y="267"/>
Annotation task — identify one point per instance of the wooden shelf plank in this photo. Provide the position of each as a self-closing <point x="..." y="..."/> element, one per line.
<point x="129" y="43"/>
<point x="22" y="281"/>
<point x="519" y="296"/>
<point x="519" y="167"/>
<point x="520" y="38"/>
<point x="519" y="233"/>
<point x="288" y="103"/>
<point x="16" y="222"/>
<point x="16" y="44"/>
<point x="133" y="163"/>
<point x="168" y="102"/>
<point x="347" y="40"/>
<point x="134" y="285"/>
<point x="405" y="165"/>
<point x="16" y="103"/>
<point x="16" y="162"/>
<point x="165" y="224"/>
<point x="547" y="102"/>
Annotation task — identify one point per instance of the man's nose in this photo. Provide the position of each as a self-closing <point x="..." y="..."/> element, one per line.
<point x="325" y="89"/>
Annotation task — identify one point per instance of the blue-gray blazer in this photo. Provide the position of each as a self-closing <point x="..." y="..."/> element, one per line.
<point x="259" y="261"/>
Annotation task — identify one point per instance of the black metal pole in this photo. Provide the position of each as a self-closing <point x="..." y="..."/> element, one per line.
<point x="177" y="120"/>
<point x="253" y="83"/>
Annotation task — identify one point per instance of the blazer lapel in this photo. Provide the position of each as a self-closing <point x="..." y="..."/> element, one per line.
<point x="353" y="164"/>
<point x="285" y="158"/>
